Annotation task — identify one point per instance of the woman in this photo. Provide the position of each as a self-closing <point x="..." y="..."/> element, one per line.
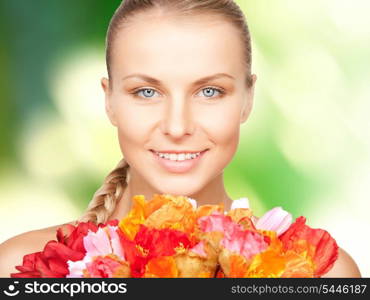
<point x="179" y="86"/>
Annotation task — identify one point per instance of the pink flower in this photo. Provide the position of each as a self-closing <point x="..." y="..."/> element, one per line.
<point x="199" y="249"/>
<point x="103" y="267"/>
<point x="218" y="222"/>
<point x="103" y="242"/>
<point x="244" y="242"/>
<point x="275" y="219"/>
<point x="235" y="239"/>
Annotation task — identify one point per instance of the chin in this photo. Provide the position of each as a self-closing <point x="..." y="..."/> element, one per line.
<point x="179" y="187"/>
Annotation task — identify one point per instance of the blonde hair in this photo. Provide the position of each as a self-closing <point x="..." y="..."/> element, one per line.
<point x="107" y="196"/>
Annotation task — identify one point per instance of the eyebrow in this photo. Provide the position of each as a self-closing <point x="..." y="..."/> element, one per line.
<point x="197" y="82"/>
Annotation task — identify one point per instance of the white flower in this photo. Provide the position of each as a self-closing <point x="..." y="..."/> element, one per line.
<point x="240" y="203"/>
<point x="193" y="202"/>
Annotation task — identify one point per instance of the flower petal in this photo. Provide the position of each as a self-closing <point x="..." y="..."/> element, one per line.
<point x="97" y="243"/>
<point x="240" y="203"/>
<point x="275" y="219"/>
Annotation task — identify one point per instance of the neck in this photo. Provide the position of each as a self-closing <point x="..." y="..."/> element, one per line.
<point x="213" y="193"/>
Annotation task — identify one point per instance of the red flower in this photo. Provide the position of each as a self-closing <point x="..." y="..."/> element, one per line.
<point x="161" y="242"/>
<point x="151" y="243"/>
<point x="133" y="255"/>
<point x="52" y="261"/>
<point x="323" y="250"/>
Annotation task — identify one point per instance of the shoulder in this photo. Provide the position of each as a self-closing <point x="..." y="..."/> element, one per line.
<point x="344" y="266"/>
<point x="13" y="249"/>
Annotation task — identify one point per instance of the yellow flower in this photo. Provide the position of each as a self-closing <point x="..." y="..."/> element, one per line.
<point x="131" y="223"/>
<point x="175" y="213"/>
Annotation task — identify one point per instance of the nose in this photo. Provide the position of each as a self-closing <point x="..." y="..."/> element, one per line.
<point x="177" y="120"/>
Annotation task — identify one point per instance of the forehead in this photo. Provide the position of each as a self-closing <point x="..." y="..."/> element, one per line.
<point x="178" y="45"/>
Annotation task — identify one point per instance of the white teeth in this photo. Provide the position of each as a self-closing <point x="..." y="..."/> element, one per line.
<point x="179" y="156"/>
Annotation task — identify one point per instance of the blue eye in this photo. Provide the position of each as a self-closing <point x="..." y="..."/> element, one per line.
<point x="147" y="92"/>
<point x="210" y="91"/>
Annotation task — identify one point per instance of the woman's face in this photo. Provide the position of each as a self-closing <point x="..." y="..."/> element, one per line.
<point x="178" y="85"/>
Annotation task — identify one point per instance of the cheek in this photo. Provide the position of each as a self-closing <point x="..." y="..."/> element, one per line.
<point x="222" y="125"/>
<point x="226" y="137"/>
<point x="134" y="128"/>
<point x="222" y="128"/>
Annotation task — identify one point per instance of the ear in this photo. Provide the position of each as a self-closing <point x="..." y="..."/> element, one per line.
<point x="248" y="103"/>
<point x="108" y="100"/>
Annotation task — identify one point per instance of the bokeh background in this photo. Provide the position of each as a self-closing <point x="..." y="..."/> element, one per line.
<point x="306" y="146"/>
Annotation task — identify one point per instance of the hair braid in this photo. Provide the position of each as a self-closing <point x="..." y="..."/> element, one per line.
<point x="107" y="196"/>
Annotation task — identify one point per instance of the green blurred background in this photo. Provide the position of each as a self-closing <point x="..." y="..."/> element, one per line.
<point x="305" y="147"/>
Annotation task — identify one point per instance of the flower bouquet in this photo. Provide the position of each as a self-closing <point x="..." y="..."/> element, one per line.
<point x="169" y="236"/>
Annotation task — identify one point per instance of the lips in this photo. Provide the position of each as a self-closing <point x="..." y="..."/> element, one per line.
<point x="183" y="166"/>
<point x="178" y="151"/>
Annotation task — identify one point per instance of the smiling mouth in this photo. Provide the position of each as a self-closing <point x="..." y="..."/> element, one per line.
<point x="178" y="155"/>
<point x="178" y="163"/>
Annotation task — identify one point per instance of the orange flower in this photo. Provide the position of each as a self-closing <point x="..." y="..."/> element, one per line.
<point x="130" y="224"/>
<point x="268" y="263"/>
<point x="298" y="266"/>
<point x="271" y="262"/>
<point x="176" y="213"/>
<point x="243" y="217"/>
<point x="156" y="203"/>
<point x="205" y="275"/>
<point x="208" y="209"/>
<point x="163" y="267"/>
<point x="238" y="266"/>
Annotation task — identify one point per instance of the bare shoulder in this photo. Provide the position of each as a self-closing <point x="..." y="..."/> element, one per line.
<point x="344" y="266"/>
<point x="13" y="249"/>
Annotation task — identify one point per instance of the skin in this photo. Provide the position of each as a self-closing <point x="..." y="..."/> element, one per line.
<point x="179" y="115"/>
